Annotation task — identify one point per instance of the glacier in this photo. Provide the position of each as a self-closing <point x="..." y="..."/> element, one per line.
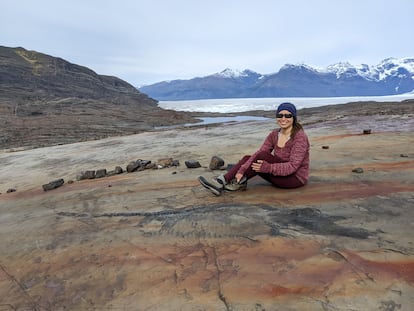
<point x="234" y="105"/>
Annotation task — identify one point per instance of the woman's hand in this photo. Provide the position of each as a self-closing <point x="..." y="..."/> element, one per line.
<point x="239" y="177"/>
<point x="256" y="166"/>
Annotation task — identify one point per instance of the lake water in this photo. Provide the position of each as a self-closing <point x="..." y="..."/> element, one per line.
<point x="231" y="105"/>
<point x="213" y="120"/>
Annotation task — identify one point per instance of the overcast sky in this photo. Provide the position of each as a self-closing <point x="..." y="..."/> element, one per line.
<point x="144" y="42"/>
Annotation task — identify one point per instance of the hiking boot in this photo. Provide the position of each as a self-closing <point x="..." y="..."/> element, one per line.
<point x="215" y="185"/>
<point x="233" y="185"/>
<point x="221" y="179"/>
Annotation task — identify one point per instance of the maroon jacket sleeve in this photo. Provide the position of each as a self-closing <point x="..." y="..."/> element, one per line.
<point x="268" y="146"/>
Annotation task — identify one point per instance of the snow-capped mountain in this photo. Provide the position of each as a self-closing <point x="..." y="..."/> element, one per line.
<point x="347" y="70"/>
<point x="390" y="77"/>
<point x="234" y="73"/>
<point x="387" y="68"/>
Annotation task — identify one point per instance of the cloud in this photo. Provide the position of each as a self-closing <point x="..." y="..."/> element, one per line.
<point x="149" y="41"/>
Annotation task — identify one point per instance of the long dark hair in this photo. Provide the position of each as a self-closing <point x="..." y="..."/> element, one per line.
<point x="296" y="127"/>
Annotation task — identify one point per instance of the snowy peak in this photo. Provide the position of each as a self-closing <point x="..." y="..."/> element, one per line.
<point x="390" y="67"/>
<point x="345" y="70"/>
<point x="342" y="69"/>
<point x="298" y="67"/>
<point x="234" y="73"/>
<point x="407" y="63"/>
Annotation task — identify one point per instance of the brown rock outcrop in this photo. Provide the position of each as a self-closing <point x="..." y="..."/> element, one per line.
<point x="45" y="100"/>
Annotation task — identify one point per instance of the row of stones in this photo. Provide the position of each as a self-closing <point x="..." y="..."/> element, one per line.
<point x="133" y="166"/>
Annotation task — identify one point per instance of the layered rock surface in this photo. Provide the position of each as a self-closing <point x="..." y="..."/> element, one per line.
<point x="157" y="240"/>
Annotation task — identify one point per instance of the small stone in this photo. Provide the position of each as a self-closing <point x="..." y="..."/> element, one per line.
<point x="132" y="166"/>
<point x="216" y="163"/>
<point x="151" y="166"/>
<point x="90" y="174"/>
<point x="144" y="163"/>
<point x="192" y="164"/>
<point x="53" y="184"/>
<point x="86" y="175"/>
<point x="100" y="173"/>
<point x="116" y="171"/>
<point x="358" y="170"/>
<point x="325" y="147"/>
<point x="165" y="162"/>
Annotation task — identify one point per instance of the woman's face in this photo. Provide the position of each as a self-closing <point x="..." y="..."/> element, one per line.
<point x="284" y="122"/>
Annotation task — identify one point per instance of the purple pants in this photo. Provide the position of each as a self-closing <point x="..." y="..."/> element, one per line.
<point x="290" y="181"/>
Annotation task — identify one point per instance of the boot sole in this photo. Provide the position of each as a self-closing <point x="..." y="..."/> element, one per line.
<point x="216" y="191"/>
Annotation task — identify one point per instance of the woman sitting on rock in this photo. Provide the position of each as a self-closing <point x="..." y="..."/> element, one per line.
<point x="283" y="159"/>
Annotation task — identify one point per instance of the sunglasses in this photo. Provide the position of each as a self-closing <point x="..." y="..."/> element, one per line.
<point x="286" y="115"/>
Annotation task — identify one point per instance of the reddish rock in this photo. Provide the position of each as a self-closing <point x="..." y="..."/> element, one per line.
<point x="157" y="240"/>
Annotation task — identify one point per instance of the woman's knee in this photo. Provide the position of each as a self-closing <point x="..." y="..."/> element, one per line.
<point x="243" y="160"/>
<point x="264" y="155"/>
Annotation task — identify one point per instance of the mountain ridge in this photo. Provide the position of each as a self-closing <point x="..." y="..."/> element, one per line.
<point x="48" y="77"/>
<point x="391" y="76"/>
<point x="46" y="100"/>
